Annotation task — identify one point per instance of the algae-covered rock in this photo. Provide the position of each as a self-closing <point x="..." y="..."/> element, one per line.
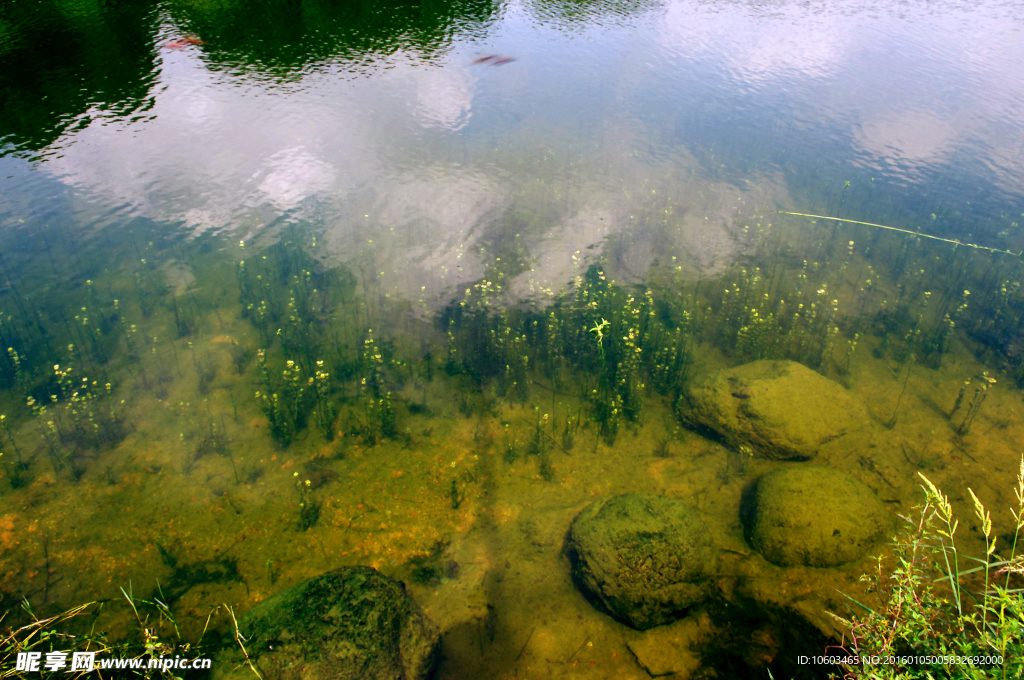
<point x="812" y="516"/>
<point x="780" y="409"/>
<point x="353" y="623"/>
<point x="645" y="560"/>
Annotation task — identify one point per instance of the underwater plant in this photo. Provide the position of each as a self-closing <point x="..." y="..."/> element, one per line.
<point x="15" y="468"/>
<point x="455" y="496"/>
<point x="309" y="507"/>
<point x="80" y="418"/>
<point x="509" y="447"/>
<point x="891" y="423"/>
<point x="980" y="393"/>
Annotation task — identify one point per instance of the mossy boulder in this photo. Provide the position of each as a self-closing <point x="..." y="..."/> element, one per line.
<point x="812" y="516"/>
<point x="644" y="560"/>
<point x="779" y="409"/>
<point x="353" y="623"/>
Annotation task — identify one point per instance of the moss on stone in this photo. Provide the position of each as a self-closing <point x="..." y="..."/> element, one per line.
<point x="353" y="623"/>
<point x="780" y="409"/>
<point x="645" y="560"/>
<point x="813" y="516"/>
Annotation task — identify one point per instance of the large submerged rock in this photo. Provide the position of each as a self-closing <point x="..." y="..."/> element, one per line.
<point x="645" y="560"/>
<point x="812" y="516"/>
<point x="780" y="409"/>
<point x="353" y="623"/>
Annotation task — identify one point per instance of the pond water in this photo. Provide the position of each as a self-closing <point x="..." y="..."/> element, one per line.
<point x="292" y="286"/>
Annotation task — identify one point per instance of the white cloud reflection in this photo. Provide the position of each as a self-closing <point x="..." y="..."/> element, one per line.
<point x="293" y="175"/>
<point x="444" y="97"/>
<point x="912" y="136"/>
<point x="912" y="83"/>
<point x="759" y="42"/>
<point x="425" y="161"/>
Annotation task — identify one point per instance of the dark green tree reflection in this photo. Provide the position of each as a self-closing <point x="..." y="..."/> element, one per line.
<point x="64" y="61"/>
<point x="285" y="39"/>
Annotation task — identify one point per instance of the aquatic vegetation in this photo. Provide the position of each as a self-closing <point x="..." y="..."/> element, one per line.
<point x="241" y="355"/>
<point x="537" y="442"/>
<point x="891" y="423"/>
<point x="10" y="438"/>
<point x="281" y="426"/>
<point x="980" y="393"/>
<point x="598" y="330"/>
<point x="736" y="464"/>
<point x="509" y="448"/>
<point x="184" y="319"/>
<point x="465" y="403"/>
<point x="288" y="401"/>
<point x="206" y="371"/>
<point x="959" y="400"/>
<point x="792" y="319"/>
<point x="455" y="496"/>
<point x="388" y="421"/>
<point x="431" y="568"/>
<point x="15" y="473"/>
<point x="273" y="572"/>
<point x="569" y="435"/>
<point x="545" y="468"/>
<point x="309" y="507"/>
<point x="662" y="449"/>
<point x="15" y="374"/>
<point x="285" y="294"/>
<point x="378" y="418"/>
<point x="931" y="599"/>
<point x="251" y="472"/>
<point x="81" y="416"/>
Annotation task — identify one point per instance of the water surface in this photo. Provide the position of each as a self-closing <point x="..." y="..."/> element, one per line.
<point x="185" y="185"/>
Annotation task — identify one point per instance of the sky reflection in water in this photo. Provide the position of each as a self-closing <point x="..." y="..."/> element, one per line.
<point x="647" y="124"/>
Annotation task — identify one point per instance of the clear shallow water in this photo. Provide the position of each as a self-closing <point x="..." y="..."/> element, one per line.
<point x="635" y="137"/>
